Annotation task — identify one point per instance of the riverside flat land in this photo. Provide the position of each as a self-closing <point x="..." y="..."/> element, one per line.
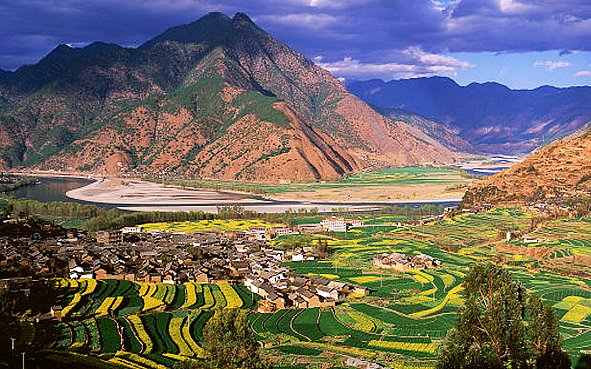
<point x="394" y="185"/>
<point x="401" y="323"/>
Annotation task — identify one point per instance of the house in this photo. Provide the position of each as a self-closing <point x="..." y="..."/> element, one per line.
<point x="279" y="231"/>
<point x="131" y="230"/>
<point x="265" y="289"/>
<point x="354" y="222"/>
<point x="334" y="224"/>
<point x="297" y="257"/>
<point x="361" y="290"/>
<point x="109" y="238"/>
<point x="271" y="303"/>
<point x="276" y="278"/>
<point x="255" y="286"/>
<point x="239" y="268"/>
<point x="327" y="292"/>
<point x="425" y="261"/>
<point x="395" y="261"/>
<point x="339" y="286"/>
<point x="311" y="299"/>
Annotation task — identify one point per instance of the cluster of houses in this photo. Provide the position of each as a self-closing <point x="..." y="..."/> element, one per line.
<point x="231" y="256"/>
<point x="402" y="263"/>
<point x="561" y="202"/>
<point x="281" y="289"/>
<point x="259" y="233"/>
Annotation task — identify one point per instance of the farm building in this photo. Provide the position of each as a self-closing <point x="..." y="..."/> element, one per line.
<point x="403" y="263"/>
<point x="334" y="224"/>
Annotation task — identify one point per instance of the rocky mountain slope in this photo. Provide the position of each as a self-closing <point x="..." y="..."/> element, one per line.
<point x="490" y="116"/>
<point x="448" y="136"/>
<point x="216" y="98"/>
<point x="548" y="172"/>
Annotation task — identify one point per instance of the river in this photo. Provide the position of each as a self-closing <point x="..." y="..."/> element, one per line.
<point x="55" y="188"/>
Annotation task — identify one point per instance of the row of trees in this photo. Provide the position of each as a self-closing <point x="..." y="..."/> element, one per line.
<point x="99" y="218"/>
<point x="413" y="212"/>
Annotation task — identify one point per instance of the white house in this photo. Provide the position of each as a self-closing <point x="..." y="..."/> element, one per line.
<point x="297" y="257"/>
<point x="276" y="278"/>
<point x="327" y="292"/>
<point x="334" y="224"/>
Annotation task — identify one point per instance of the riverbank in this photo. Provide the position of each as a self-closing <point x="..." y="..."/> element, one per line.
<point x="136" y="192"/>
<point x="135" y="195"/>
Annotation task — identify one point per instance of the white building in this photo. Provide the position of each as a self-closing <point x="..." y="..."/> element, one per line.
<point x="334" y="224"/>
<point x="297" y="257"/>
<point x="131" y="230"/>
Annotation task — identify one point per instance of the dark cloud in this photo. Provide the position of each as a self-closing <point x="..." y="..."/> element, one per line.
<point x="369" y="31"/>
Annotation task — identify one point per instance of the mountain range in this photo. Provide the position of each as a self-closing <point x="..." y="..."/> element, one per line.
<point x="217" y="98"/>
<point x="491" y="117"/>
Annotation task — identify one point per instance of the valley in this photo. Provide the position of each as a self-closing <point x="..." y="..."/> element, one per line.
<point x="209" y="197"/>
<point x="401" y="321"/>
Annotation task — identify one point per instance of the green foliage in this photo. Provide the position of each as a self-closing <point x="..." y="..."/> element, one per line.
<point x="491" y="328"/>
<point x="467" y="175"/>
<point x="229" y="342"/>
<point x="5" y="187"/>
<point x="295" y="241"/>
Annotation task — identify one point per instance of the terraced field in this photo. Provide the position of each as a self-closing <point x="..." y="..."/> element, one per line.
<point x="401" y="323"/>
<point x="418" y="307"/>
<point x="136" y="324"/>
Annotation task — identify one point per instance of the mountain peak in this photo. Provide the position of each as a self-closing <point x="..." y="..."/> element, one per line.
<point x="212" y="26"/>
<point x="242" y="17"/>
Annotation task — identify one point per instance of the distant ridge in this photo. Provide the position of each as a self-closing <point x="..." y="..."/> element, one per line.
<point x="490" y="116"/>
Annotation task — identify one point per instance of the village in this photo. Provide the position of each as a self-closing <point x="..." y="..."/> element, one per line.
<point x="217" y="256"/>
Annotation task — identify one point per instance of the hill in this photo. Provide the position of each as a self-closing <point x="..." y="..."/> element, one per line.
<point x="216" y="98"/>
<point x="553" y="171"/>
<point x="490" y="116"/>
<point x="447" y="136"/>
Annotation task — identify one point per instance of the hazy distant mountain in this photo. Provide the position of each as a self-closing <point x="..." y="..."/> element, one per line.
<point x="216" y="98"/>
<point x="490" y="116"/>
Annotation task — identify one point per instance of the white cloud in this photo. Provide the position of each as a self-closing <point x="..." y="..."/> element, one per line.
<point x="583" y="73"/>
<point x="328" y="4"/>
<point x="420" y="64"/>
<point x="514" y="7"/>
<point x="301" y="20"/>
<point x="550" y="65"/>
<point x="436" y="59"/>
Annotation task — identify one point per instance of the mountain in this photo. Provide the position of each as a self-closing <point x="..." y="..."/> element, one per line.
<point x="548" y="171"/>
<point x="447" y="136"/>
<point x="490" y="116"/>
<point x="216" y="98"/>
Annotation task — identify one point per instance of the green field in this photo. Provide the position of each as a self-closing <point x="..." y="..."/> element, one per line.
<point x="205" y="225"/>
<point x="390" y="176"/>
<point x="401" y="323"/>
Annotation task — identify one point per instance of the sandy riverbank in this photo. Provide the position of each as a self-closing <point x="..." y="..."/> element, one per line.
<point x="135" y="192"/>
<point x="135" y="195"/>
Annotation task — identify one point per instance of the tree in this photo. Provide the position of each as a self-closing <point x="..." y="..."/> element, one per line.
<point x="543" y="337"/>
<point x="491" y="332"/>
<point x="229" y="344"/>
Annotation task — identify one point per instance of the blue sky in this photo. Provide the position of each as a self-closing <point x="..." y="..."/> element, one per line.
<point x="522" y="44"/>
